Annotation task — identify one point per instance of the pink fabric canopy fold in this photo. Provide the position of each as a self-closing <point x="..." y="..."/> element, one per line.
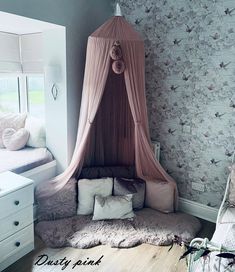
<point x="113" y="122"/>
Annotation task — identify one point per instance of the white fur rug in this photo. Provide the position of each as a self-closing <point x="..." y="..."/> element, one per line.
<point x="148" y="226"/>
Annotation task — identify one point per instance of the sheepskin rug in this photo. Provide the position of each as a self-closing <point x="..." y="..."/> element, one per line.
<point x="149" y="226"/>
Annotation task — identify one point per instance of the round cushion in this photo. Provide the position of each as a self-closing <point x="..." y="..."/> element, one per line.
<point x="15" y="140"/>
<point x="118" y="66"/>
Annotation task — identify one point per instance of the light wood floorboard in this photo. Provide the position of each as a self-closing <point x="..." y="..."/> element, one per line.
<point x="146" y="258"/>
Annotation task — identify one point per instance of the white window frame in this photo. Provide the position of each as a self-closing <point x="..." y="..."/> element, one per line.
<point x="25" y="87"/>
<point x="14" y="75"/>
<point x="22" y="80"/>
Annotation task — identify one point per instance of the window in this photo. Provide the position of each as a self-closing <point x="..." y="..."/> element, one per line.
<point x="22" y="93"/>
<point x="9" y="94"/>
<point x="36" y="99"/>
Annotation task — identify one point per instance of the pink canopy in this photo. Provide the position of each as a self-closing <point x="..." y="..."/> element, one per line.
<point x="113" y="123"/>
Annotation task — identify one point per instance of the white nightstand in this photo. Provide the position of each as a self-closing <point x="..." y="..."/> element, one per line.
<point x="16" y="218"/>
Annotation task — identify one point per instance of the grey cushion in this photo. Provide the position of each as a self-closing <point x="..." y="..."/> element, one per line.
<point x="113" y="207"/>
<point x="136" y="187"/>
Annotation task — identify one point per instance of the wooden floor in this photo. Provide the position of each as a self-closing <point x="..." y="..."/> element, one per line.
<point x="145" y="258"/>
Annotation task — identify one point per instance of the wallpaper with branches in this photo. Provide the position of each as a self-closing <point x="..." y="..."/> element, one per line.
<point x="190" y="88"/>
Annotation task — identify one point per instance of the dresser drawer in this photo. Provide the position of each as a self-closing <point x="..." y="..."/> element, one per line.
<point x="16" y="243"/>
<point x="15" y="201"/>
<point x="16" y="222"/>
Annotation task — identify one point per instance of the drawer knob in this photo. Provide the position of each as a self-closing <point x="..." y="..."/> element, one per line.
<point x="17" y="202"/>
<point x="16" y="223"/>
<point x="17" y="244"/>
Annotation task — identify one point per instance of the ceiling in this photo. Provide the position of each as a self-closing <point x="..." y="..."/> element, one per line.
<point x="16" y="24"/>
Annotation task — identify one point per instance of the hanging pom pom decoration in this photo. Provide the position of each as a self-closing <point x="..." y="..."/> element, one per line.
<point x="116" y="51"/>
<point x="118" y="65"/>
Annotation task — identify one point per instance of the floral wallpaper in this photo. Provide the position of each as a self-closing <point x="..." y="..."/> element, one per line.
<point x="190" y="88"/>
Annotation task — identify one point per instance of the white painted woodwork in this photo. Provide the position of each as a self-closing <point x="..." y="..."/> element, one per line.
<point x="16" y="218"/>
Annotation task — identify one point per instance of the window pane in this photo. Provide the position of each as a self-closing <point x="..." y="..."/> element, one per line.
<point x="9" y="95"/>
<point x="36" y="98"/>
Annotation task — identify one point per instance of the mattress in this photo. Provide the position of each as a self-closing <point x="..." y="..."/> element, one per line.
<point x="23" y="160"/>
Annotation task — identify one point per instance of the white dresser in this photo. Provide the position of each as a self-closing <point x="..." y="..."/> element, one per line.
<point x="16" y="218"/>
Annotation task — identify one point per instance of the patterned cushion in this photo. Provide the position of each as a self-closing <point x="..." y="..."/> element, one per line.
<point x="136" y="187"/>
<point x="113" y="207"/>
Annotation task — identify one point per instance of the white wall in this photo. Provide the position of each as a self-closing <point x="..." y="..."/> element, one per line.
<point x="81" y="18"/>
<point x="54" y="48"/>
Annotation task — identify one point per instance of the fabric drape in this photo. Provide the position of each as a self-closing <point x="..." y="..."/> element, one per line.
<point x="96" y="73"/>
<point x="105" y="135"/>
<point x="147" y="167"/>
<point x="111" y="140"/>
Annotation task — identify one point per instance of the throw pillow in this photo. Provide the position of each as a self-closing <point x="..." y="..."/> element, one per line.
<point x="113" y="207"/>
<point x="136" y="187"/>
<point x="37" y="132"/>
<point x="11" y="120"/>
<point x="159" y="196"/>
<point x="15" y="140"/>
<point x="88" y="188"/>
<point x="231" y="194"/>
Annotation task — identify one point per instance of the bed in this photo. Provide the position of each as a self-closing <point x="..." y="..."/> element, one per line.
<point x="23" y="160"/>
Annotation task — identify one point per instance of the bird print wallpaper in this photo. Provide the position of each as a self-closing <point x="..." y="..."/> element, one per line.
<point x="190" y="88"/>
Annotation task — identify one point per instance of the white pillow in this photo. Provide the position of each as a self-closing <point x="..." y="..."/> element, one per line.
<point x="36" y="128"/>
<point x="88" y="188"/>
<point x="113" y="207"/>
<point x="15" y="140"/>
<point x="11" y="120"/>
